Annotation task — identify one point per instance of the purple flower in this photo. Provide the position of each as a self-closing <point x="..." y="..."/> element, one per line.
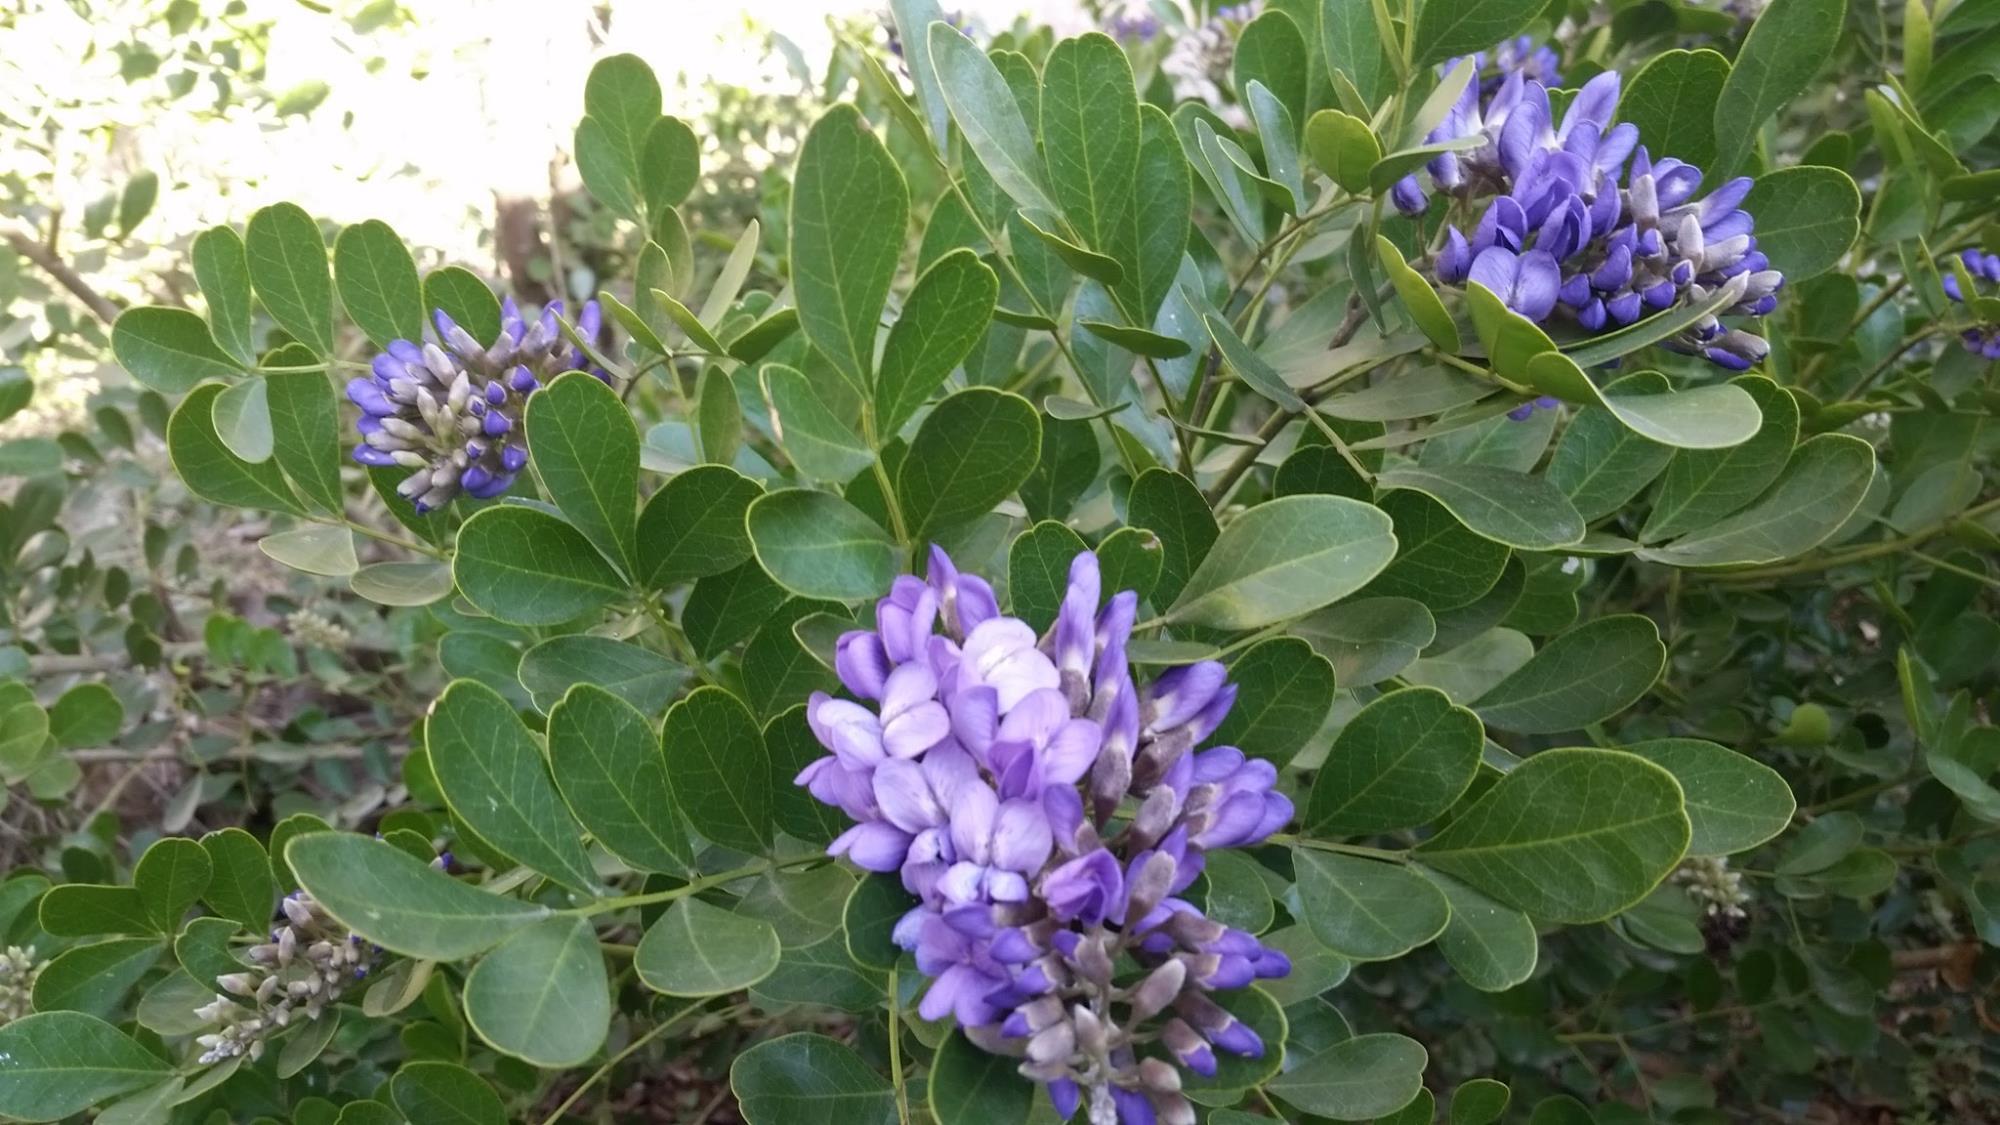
<point x="1981" y="340"/>
<point x="989" y="768"/>
<point x="450" y="411"/>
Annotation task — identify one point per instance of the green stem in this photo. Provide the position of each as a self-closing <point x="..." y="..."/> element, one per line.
<point x="604" y="1071"/>
<point x="1388" y="854"/>
<point x="706" y="882"/>
<point x="896" y="1053"/>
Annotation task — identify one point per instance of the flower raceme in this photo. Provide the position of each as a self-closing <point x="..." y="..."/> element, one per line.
<point x="1575" y="221"/>
<point x="1981" y="340"/>
<point x="452" y="409"/>
<point x="1046" y="812"/>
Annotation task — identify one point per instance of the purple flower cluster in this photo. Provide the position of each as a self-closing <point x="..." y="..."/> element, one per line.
<point x="1046" y="811"/>
<point x="451" y="409"/>
<point x="1580" y="223"/>
<point x="1983" y="340"/>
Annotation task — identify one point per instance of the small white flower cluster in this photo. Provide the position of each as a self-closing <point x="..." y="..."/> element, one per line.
<point x="313" y="628"/>
<point x="1199" y="65"/>
<point x="18" y="969"/>
<point x="306" y="965"/>
<point x="1709" y="881"/>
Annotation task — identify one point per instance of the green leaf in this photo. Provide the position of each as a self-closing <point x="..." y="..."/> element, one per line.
<point x="1151" y="233"/>
<point x="942" y="319"/>
<point x="1400" y="762"/>
<point x="1344" y="148"/>
<point x="1089" y="263"/>
<point x="95" y="978"/>
<point x="85" y="909"/>
<point x="322" y="549"/>
<point x="55" y="1064"/>
<point x="1439" y="561"/>
<point x="1231" y="177"/>
<point x="700" y="950"/>
<point x="693" y="526"/>
<point x="526" y="567"/>
<point x="587" y="458"/>
<point x="807" y="1079"/>
<point x="1351" y="40"/>
<point x="1672" y="103"/>
<point x="542" y="995"/>
<point x="1280" y="139"/>
<point x="289" y="272"/>
<point x="465" y="299"/>
<point x="1788" y="45"/>
<point x="1711" y="417"/>
<point x="1365" y="909"/>
<point x="973" y="450"/>
<point x="717" y="769"/>
<point x="443" y="1093"/>
<point x="242" y="888"/>
<point x="1249" y="366"/>
<point x="988" y="117"/>
<point x="1169" y="505"/>
<point x="639" y="676"/>
<point x="243" y="420"/>
<point x="623" y="97"/>
<point x="849" y="212"/>
<point x="1600" y="464"/>
<point x="683" y="318"/>
<point x="669" y="163"/>
<point x="1365" y="1077"/>
<point x="378" y="282"/>
<point x="820" y="546"/>
<point x="609" y="763"/>
<point x="170" y="877"/>
<point x="1471" y="668"/>
<point x="913" y="19"/>
<point x="305" y="421"/>
<point x="400" y="902"/>
<point x="1090" y="134"/>
<point x="1505" y="506"/>
<point x="1414" y="394"/>
<point x="1584" y="676"/>
<point x="402" y="583"/>
<point x="169" y="350"/>
<point x="1701" y="487"/>
<point x="1479" y="1101"/>
<point x="719" y="417"/>
<point x="1038" y="565"/>
<point x="496" y="781"/>
<point x="820" y="444"/>
<point x="1491" y="947"/>
<point x="1734" y="802"/>
<point x="85" y="715"/>
<point x="1286" y="558"/>
<point x="222" y="269"/>
<point x="1819" y="489"/>
<point x="1568" y="836"/>
<point x="1807" y="217"/>
<point x="1444" y="30"/>
<point x="1283" y="693"/>
<point x="208" y="467"/>
<point x="1369" y="639"/>
<point x="970" y="1086"/>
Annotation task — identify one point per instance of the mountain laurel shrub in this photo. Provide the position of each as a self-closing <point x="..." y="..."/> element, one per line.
<point x="1443" y="571"/>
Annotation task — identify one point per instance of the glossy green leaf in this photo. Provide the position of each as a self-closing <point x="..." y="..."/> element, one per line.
<point x="55" y="1064"/>
<point x="400" y="902"/>
<point x="1491" y="947"/>
<point x="1284" y="690"/>
<point x="497" y="781"/>
<point x="242" y="887"/>
<point x="1600" y="463"/>
<point x="290" y="274"/>
<point x="1284" y="559"/>
<point x="1089" y="131"/>
<point x="170" y="877"/>
<point x="378" y="284"/>
<point x="1038" y="565"/>
<point x="820" y="546"/>
<point x="987" y="116"/>
<point x="1788" y="45"/>
<point x="1439" y="561"/>
<point x="1344" y="148"/>
<point x="942" y="319"/>
<point x="608" y="761"/>
<point x="821" y="446"/>
<point x="243" y="420"/>
<point x="85" y="909"/>
<point x="717" y="770"/>
<point x="1673" y="98"/>
<point x="169" y="350"/>
<point x="95" y="978"/>
<point x="848" y="214"/>
<point x="1365" y="909"/>
<point x="586" y="454"/>
<point x="1509" y="507"/>
<point x="638" y="675"/>
<point x="465" y="299"/>
<point x="542" y="995"/>
<point x="1368" y="1076"/>
<point x="1819" y="489"/>
<point x="211" y="471"/>
<point x="1710" y="417"/>
<point x="88" y="714"/>
<point x="1151" y="232"/>
<point x="305" y="420"/>
<point x="527" y="567"/>
<point x="1700" y="487"/>
<point x="1584" y="676"/>
<point x="222" y="269"/>
<point x="445" y="1093"/>
<point x="971" y="1086"/>
<point x="808" y="1079"/>
<point x="693" y="526"/>
<point x="1369" y="639"/>
<point x="1734" y="802"/>
<point x="1351" y="41"/>
<point x="317" y="549"/>
<point x="1444" y="30"/>
<point x="1568" y="836"/>
<point x="1399" y="762"/>
<point x="402" y="583"/>
<point x="971" y="453"/>
<point x="696" y="949"/>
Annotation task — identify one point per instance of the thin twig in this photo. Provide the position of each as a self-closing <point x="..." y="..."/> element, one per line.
<point x="43" y="255"/>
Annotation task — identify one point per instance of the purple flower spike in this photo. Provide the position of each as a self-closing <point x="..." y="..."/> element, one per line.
<point x="1046" y="811"/>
